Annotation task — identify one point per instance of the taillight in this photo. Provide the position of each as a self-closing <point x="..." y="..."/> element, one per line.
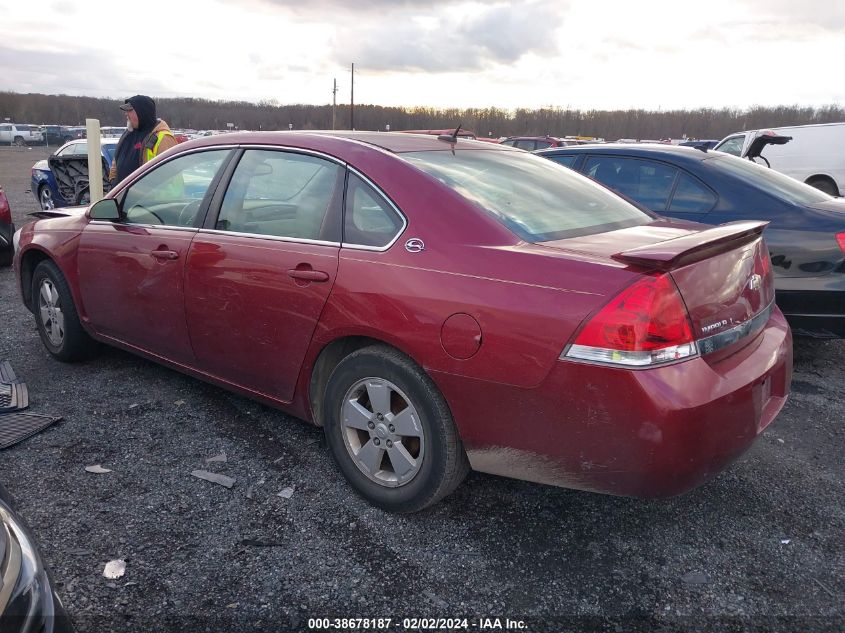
<point x="646" y="324"/>
<point x="840" y="237"/>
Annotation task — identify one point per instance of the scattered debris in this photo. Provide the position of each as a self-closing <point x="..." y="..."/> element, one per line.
<point x="14" y="395"/>
<point x="249" y="492"/>
<point x="781" y="441"/>
<point x="16" y="427"/>
<point x="695" y="578"/>
<point x="217" y="458"/>
<point x="179" y="403"/>
<point x="785" y="541"/>
<point x="134" y="405"/>
<point x="286" y="493"/>
<point x="97" y="469"/>
<point x="232" y="605"/>
<point x="131" y="583"/>
<point x="223" y="480"/>
<point x="115" y="569"/>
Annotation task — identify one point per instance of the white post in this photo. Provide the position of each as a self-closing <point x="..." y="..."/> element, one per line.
<point x="95" y="160"/>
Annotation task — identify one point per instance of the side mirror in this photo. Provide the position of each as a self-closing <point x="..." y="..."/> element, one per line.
<point x="104" y="210"/>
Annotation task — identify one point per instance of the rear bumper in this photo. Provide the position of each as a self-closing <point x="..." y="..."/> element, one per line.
<point x="646" y="433"/>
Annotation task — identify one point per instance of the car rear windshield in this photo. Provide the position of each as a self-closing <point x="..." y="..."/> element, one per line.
<point x="532" y="196"/>
<point x="774" y="182"/>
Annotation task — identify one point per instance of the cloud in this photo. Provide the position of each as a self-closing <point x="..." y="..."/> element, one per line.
<point x="822" y="13"/>
<point x="66" y="72"/>
<point x="501" y="34"/>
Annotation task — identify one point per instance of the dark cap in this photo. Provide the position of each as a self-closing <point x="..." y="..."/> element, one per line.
<point x="132" y="103"/>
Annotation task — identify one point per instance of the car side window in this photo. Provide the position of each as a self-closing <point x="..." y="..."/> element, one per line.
<point x="529" y="145"/>
<point x="281" y="194"/>
<point x="543" y="144"/>
<point x="369" y="220"/>
<point x="691" y="196"/>
<point x="733" y="145"/>
<point x="566" y="161"/>
<point x="644" y="181"/>
<point x="77" y="149"/>
<point x="172" y="194"/>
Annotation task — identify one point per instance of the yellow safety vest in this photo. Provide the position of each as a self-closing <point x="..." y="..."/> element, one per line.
<point x="151" y="149"/>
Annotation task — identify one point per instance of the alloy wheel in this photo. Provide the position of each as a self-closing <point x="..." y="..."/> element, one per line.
<point x="382" y="432"/>
<point x="46" y="199"/>
<point x="50" y="309"/>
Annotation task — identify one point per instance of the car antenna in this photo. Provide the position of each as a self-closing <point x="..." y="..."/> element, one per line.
<point x="453" y="137"/>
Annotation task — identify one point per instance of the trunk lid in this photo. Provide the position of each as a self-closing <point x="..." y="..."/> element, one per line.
<point x="723" y="273"/>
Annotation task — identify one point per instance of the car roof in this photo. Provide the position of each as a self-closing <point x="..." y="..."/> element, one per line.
<point x="641" y="150"/>
<point x="394" y="142"/>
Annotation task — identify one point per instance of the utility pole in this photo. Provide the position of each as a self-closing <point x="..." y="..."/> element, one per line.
<point x="352" y="101"/>
<point x="334" y="102"/>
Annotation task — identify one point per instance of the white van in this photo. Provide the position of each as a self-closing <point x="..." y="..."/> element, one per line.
<point x="814" y="155"/>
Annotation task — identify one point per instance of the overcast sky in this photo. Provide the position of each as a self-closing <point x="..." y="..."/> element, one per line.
<point x="444" y="53"/>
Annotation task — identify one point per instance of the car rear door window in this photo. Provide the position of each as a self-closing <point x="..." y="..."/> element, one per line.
<point x="369" y="219"/>
<point x="526" y="145"/>
<point x="691" y="196"/>
<point x="172" y="194"/>
<point x="645" y="181"/>
<point x="281" y="194"/>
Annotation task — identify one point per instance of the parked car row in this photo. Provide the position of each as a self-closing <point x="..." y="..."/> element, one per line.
<point x="20" y="134"/>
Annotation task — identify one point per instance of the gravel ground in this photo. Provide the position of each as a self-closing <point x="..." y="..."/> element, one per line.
<point x="759" y="548"/>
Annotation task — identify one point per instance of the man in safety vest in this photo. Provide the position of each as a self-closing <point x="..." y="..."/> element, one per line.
<point x="145" y="137"/>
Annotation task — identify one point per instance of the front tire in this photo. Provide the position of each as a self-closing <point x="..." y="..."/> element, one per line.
<point x="56" y="315"/>
<point x="391" y="431"/>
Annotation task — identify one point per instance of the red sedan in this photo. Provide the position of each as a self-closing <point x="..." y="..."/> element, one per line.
<point x="435" y="304"/>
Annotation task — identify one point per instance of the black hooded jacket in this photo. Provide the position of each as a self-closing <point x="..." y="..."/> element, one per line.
<point x="129" y="149"/>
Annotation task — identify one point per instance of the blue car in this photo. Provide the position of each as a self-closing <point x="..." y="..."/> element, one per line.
<point x="805" y="237"/>
<point x="62" y="179"/>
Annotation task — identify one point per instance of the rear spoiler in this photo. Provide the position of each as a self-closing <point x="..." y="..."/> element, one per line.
<point x="681" y="251"/>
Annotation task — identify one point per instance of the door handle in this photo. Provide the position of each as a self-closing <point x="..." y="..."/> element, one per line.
<point x="165" y="254"/>
<point x="308" y="275"/>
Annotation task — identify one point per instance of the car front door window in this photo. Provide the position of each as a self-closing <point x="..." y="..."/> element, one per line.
<point x="172" y="194"/>
<point x="733" y="145"/>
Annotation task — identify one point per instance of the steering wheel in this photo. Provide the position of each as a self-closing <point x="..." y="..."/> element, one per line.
<point x="136" y="213"/>
<point x="189" y="213"/>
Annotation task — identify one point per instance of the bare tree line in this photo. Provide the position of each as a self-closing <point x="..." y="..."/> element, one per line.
<point x="492" y="121"/>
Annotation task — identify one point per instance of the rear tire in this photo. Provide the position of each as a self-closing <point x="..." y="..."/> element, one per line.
<point x="45" y="198"/>
<point x="19" y="141"/>
<point x="6" y="257"/>
<point x="823" y="184"/>
<point x="391" y="431"/>
<point x="56" y="315"/>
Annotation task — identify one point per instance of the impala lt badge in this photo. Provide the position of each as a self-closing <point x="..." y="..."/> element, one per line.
<point x="754" y="282"/>
<point x="414" y="245"/>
